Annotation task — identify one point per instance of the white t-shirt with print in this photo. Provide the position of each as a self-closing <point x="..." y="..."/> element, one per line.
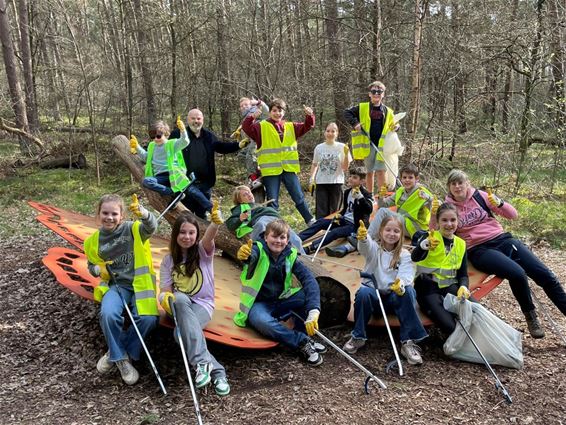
<point x="329" y="159"/>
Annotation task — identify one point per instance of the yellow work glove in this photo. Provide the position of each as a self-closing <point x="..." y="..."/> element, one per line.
<point x="463" y="293"/>
<point x="165" y="302"/>
<point x="245" y="251"/>
<point x="493" y="199"/>
<point x="216" y="214"/>
<point x="133" y="144"/>
<point x="382" y="191"/>
<point x="430" y="242"/>
<point x="236" y="134"/>
<point x="434" y="206"/>
<point x="312" y="185"/>
<point x="362" y="234"/>
<point x="311" y="324"/>
<point x="337" y="218"/>
<point x="346" y="151"/>
<point x="137" y="209"/>
<point x="104" y="274"/>
<point x="243" y="143"/>
<point x="398" y="287"/>
<point x="180" y="124"/>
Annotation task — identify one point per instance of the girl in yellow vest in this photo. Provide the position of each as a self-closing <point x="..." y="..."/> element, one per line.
<point x="120" y="255"/>
<point x="187" y="279"/>
<point x="441" y="267"/>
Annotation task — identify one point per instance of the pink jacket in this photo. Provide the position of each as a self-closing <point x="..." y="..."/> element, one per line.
<point x="475" y="226"/>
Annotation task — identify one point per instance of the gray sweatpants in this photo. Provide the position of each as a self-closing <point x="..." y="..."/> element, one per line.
<point x="261" y="224"/>
<point x="192" y="319"/>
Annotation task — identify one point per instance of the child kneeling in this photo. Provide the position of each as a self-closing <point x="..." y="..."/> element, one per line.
<point x="270" y="293"/>
<point x="393" y="273"/>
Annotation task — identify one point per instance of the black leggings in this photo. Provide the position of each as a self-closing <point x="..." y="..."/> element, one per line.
<point x="508" y="258"/>
<point x="431" y="298"/>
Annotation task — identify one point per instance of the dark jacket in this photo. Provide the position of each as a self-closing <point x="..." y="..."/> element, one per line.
<point x="362" y="207"/>
<point x="275" y="279"/>
<point x="352" y="116"/>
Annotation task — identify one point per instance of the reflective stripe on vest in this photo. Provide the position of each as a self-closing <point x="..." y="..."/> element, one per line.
<point x="360" y="142"/>
<point x="144" y="282"/>
<point x="440" y="265"/>
<point x="243" y="229"/>
<point x="410" y="209"/>
<point x="276" y="156"/>
<point x="252" y="286"/>
<point x="175" y="166"/>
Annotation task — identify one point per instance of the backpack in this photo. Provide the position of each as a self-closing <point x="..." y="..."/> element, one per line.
<point x="479" y="199"/>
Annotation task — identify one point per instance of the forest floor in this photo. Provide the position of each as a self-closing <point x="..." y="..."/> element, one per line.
<point x="50" y="341"/>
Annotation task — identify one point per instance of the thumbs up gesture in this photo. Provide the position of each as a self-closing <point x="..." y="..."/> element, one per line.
<point x="362" y="232"/>
<point x="435" y="205"/>
<point x="382" y="191"/>
<point x="308" y="110"/>
<point x="495" y="201"/>
<point x="245" y="251"/>
<point x="133" y="144"/>
<point x="180" y="124"/>
<point x="216" y="214"/>
<point x="137" y="209"/>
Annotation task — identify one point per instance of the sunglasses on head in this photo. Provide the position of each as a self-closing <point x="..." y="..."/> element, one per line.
<point x="376" y="91"/>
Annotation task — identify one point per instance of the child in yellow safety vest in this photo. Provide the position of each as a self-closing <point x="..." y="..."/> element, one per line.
<point x="441" y="267"/>
<point x="413" y="201"/>
<point x="165" y="170"/>
<point x="187" y="281"/>
<point x="274" y="286"/>
<point x="249" y="218"/>
<point x="119" y="253"/>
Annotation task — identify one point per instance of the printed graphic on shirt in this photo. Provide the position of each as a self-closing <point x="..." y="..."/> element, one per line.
<point x="472" y="217"/>
<point x="329" y="163"/>
<point x="190" y="285"/>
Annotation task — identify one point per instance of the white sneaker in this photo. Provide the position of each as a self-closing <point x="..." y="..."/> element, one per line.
<point x="311" y="222"/>
<point x="129" y="373"/>
<point x="221" y="386"/>
<point x="104" y="365"/>
<point x="412" y="352"/>
<point x="353" y="345"/>
<point x="202" y="377"/>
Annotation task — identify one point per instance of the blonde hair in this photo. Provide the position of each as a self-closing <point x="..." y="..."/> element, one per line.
<point x="396" y="257"/>
<point x="277" y="227"/>
<point x="376" y="84"/>
<point x="247" y="99"/>
<point x="236" y="198"/>
<point x="107" y="199"/>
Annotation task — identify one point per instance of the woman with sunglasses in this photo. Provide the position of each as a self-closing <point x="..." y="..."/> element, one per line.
<point x="371" y="120"/>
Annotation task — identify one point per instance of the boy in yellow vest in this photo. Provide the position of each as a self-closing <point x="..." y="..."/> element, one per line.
<point x="413" y="201"/>
<point x="165" y="170"/>
<point x="274" y="285"/>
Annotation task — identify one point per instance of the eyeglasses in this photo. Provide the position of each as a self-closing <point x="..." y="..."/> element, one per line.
<point x="378" y="91"/>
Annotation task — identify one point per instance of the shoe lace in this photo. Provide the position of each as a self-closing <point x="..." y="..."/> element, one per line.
<point x="124" y="366"/>
<point x="202" y="368"/>
<point x="413" y="348"/>
<point x="308" y="349"/>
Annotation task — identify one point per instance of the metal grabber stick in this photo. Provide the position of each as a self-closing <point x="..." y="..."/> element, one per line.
<point x="186" y="362"/>
<point x="548" y="317"/>
<point x="369" y="376"/>
<point x="371" y="277"/>
<point x="176" y="200"/>
<point x="379" y="153"/>
<point x="498" y="384"/>
<point x="322" y="240"/>
<point x="138" y="333"/>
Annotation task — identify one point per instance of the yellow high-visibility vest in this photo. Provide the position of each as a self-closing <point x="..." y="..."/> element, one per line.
<point x="361" y="142"/>
<point x="441" y="265"/>
<point x="276" y="156"/>
<point x="410" y="210"/>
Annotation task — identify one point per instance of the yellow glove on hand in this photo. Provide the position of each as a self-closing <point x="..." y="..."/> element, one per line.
<point x="133" y="145"/>
<point x="104" y="274"/>
<point x="137" y="209"/>
<point x="383" y="191"/>
<point x="245" y="251"/>
<point x="362" y="234"/>
<point x="398" y="287"/>
<point x="180" y="124"/>
<point x="433" y="242"/>
<point x="311" y="324"/>
<point x="312" y="185"/>
<point x="337" y="218"/>
<point x="165" y="302"/>
<point x="463" y="293"/>
<point x="346" y="151"/>
<point x="434" y="206"/>
<point x="493" y="199"/>
<point x="216" y="214"/>
<point x="245" y="142"/>
<point x="236" y="133"/>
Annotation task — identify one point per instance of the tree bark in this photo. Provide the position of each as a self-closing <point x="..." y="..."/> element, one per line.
<point x="31" y="105"/>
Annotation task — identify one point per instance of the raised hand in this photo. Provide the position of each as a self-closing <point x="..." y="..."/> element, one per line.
<point x="382" y="191"/>
<point x="245" y="251"/>
<point x="493" y="199"/>
<point x="362" y="234"/>
<point x="133" y="145"/>
<point x="308" y="110"/>
<point x="216" y="214"/>
<point x="137" y="209"/>
<point x="180" y="124"/>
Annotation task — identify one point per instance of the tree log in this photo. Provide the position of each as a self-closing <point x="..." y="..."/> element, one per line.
<point x="334" y="297"/>
<point x="75" y="161"/>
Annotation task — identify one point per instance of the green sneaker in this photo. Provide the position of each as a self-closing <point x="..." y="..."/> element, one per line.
<point x="221" y="386"/>
<point x="202" y="377"/>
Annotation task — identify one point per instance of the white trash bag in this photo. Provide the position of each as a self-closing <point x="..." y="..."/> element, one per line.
<point x="500" y="343"/>
<point x="392" y="150"/>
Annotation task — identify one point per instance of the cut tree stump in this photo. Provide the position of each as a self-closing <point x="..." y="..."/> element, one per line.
<point x="334" y="296"/>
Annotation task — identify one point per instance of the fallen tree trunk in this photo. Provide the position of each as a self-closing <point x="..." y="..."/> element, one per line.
<point x="75" y="161"/>
<point x="335" y="297"/>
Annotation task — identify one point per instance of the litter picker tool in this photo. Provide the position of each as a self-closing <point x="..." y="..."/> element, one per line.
<point x="371" y="277"/>
<point x="369" y="376"/>
<point x="322" y="240"/>
<point x="498" y="384"/>
<point x="379" y="153"/>
<point x="548" y="317"/>
<point x="186" y="362"/>
<point x="177" y="198"/>
<point x="130" y="315"/>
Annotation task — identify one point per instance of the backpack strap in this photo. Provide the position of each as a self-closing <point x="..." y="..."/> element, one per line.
<point x="479" y="199"/>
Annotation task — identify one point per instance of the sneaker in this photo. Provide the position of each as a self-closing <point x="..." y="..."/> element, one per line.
<point x="309" y="250"/>
<point x="104" y="365"/>
<point x="412" y="352"/>
<point x="318" y="347"/>
<point x="535" y="328"/>
<point x="221" y="386"/>
<point x="311" y="222"/>
<point x="202" y="377"/>
<point x="353" y="345"/>
<point x="309" y="353"/>
<point x="129" y="373"/>
<point x="339" y="251"/>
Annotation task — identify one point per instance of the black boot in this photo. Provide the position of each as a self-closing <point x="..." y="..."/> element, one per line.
<point x="340" y="250"/>
<point x="535" y="329"/>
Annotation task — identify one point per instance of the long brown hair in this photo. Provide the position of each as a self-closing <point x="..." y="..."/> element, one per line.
<point x="192" y="261"/>
<point x="399" y="246"/>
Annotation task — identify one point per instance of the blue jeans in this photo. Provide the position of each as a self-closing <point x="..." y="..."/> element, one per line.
<point x="337" y="231"/>
<point x="159" y="184"/>
<point x="198" y="199"/>
<point x="123" y="343"/>
<point x="264" y="317"/>
<point x="366" y="304"/>
<point x="272" y="185"/>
